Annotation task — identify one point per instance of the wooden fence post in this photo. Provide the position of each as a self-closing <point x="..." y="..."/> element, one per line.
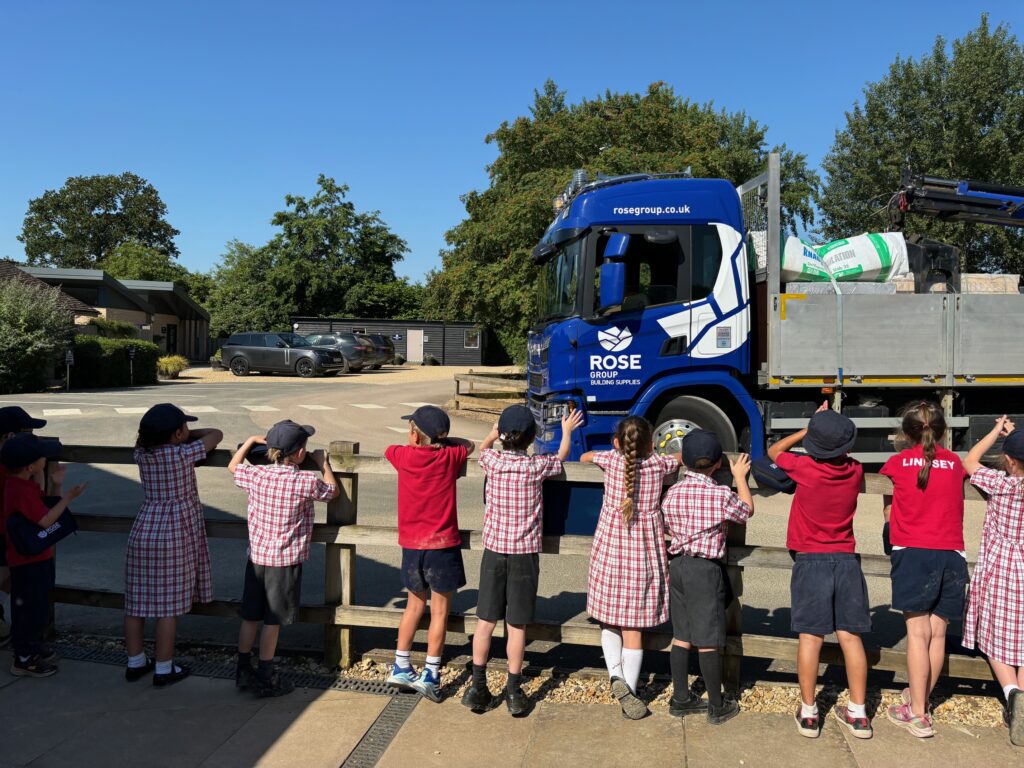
<point x="732" y="662"/>
<point x="340" y="559"/>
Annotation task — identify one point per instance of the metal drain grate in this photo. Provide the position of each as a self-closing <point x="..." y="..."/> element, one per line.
<point x="371" y="747"/>
<point x="376" y="687"/>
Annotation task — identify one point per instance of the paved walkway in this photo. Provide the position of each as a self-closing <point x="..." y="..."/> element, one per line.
<point x="88" y="716"/>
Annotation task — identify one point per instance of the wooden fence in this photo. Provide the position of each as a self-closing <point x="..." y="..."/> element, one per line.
<point x="485" y="395"/>
<point x="342" y="533"/>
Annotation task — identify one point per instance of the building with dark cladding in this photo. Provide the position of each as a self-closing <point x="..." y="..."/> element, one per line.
<point x="418" y="341"/>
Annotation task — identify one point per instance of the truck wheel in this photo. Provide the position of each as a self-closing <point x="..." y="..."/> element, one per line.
<point x="305" y="368"/>
<point x="685" y="414"/>
<point x="239" y="366"/>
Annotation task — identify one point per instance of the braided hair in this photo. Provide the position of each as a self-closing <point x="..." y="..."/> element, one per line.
<point x="634" y="436"/>
<point x="924" y="425"/>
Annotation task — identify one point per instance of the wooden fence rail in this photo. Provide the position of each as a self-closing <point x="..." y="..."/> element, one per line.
<point x="342" y="534"/>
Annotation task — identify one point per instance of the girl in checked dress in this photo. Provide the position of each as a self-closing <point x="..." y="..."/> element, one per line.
<point x="627" y="588"/>
<point x="168" y="563"/>
<point x="995" y="606"/>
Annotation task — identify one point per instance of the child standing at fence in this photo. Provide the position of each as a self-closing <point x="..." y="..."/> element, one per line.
<point x="168" y="563"/>
<point x="32" y="576"/>
<point x="827" y="588"/>
<point x="513" y="527"/>
<point x="929" y="564"/>
<point x="995" y="610"/>
<point x="627" y="587"/>
<point x="697" y="514"/>
<point x="280" y="521"/>
<point x="13" y="420"/>
<point x="428" y="533"/>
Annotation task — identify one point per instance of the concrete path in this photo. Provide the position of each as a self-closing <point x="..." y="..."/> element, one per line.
<point x="87" y="715"/>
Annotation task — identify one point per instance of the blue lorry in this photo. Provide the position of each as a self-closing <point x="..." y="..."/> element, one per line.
<point x="661" y="296"/>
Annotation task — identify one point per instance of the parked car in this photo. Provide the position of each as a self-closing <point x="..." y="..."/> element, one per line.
<point x="244" y="353"/>
<point x="384" y="348"/>
<point x="357" y="352"/>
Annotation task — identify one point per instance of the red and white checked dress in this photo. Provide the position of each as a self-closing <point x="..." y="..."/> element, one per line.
<point x="994" y="618"/>
<point x="168" y="563"/>
<point x="628" y="581"/>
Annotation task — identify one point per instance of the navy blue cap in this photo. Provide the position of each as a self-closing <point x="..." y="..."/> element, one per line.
<point x="431" y="421"/>
<point x="1013" y="444"/>
<point x="829" y="435"/>
<point x="23" y="449"/>
<point x="701" y="446"/>
<point x="16" y="419"/>
<point x="164" y="416"/>
<point x="516" y="418"/>
<point x="287" y="436"/>
<point x="768" y="474"/>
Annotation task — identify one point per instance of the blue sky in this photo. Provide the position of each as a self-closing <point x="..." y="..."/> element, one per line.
<point x="227" y="106"/>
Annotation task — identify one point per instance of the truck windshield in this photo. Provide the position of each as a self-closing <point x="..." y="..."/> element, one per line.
<point x="557" y="284"/>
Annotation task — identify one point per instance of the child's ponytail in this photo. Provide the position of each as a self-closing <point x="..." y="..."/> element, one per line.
<point x="924" y="425"/>
<point x="634" y="437"/>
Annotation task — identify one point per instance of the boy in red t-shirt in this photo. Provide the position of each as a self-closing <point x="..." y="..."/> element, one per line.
<point x="827" y="588"/>
<point x="428" y="532"/>
<point x="32" y="576"/>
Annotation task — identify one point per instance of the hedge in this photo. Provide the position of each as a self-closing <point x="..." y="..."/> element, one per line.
<point x="101" y="362"/>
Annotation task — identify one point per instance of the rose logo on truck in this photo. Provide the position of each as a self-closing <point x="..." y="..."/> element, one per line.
<point x="615" y="339"/>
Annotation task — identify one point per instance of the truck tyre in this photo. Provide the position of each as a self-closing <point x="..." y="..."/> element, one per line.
<point x="305" y="368"/>
<point x="685" y="414"/>
<point x="239" y="366"/>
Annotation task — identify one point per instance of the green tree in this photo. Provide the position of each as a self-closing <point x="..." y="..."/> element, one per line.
<point x="398" y="299"/>
<point x="957" y="112"/>
<point x="487" y="275"/>
<point x="34" y="330"/>
<point x="243" y="296"/>
<point x="81" y="223"/>
<point x="131" y="260"/>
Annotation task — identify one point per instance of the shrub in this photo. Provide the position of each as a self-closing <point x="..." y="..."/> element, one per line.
<point x="170" y="366"/>
<point x="34" y="332"/>
<point x="218" y="353"/>
<point x="101" y="362"/>
<point x="114" y="329"/>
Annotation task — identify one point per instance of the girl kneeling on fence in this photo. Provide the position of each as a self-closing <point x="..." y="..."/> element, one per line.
<point x="168" y="563"/>
<point x="929" y="566"/>
<point x="627" y="588"/>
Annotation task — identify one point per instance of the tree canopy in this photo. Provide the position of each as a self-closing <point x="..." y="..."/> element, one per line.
<point x="83" y="222"/>
<point x="486" y="273"/>
<point x="956" y="114"/>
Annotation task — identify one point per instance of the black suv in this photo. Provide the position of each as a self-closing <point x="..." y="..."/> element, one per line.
<point x="384" y="349"/>
<point x="279" y="352"/>
<point x="352" y="348"/>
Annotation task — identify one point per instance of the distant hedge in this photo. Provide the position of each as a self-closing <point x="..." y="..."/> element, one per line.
<point x="101" y="362"/>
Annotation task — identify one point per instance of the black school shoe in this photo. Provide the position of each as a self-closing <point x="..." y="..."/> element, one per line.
<point x="275" y="686"/>
<point x="245" y="677"/>
<point x="718" y="715"/>
<point x="632" y="707"/>
<point x="1015" y="713"/>
<point x="479" y="701"/>
<point x="131" y="674"/>
<point x="33" y="666"/>
<point x="517" y="703"/>
<point x="688" y="706"/>
<point x="172" y="677"/>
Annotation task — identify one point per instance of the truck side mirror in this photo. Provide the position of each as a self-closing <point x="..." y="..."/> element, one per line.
<point x="613" y="271"/>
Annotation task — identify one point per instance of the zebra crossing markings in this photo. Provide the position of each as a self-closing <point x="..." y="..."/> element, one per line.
<point x="201" y="409"/>
<point x="416" y="405"/>
<point x="131" y="410"/>
<point x="367" y="406"/>
<point x="317" y="407"/>
<point x="400" y="430"/>
<point x="62" y="412"/>
<point x="260" y="408"/>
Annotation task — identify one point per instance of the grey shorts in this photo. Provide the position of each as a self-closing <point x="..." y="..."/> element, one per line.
<point x="271" y="593"/>
<point x="828" y="593"/>
<point x="698" y="594"/>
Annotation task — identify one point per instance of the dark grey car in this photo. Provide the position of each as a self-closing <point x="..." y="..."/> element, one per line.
<point x="279" y="353"/>
<point x="356" y="352"/>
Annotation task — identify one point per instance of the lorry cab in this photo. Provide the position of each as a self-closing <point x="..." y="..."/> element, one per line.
<point x="644" y="280"/>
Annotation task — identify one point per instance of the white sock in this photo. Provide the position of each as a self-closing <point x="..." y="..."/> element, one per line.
<point x="165" y="667"/>
<point x="632" y="658"/>
<point x="611" y="646"/>
<point x="402" y="659"/>
<point x="1008" y="689"/>
<point x="434" y="664"/>
<point x="138" y="661"/>
<point x="808" y="710"/>
<point x="857" y="710"/>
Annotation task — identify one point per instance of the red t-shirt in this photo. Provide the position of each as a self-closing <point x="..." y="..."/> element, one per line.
<point x="25" y="498"/>
<point x="427" y="514"/>
<point x="932" y="518"/>
<point x="821" y="517"/>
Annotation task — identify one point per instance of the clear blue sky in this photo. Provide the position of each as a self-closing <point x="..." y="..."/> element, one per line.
<point x="227" y="106"/>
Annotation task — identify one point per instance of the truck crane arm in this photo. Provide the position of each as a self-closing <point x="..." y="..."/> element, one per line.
<point x="953" y="200"/>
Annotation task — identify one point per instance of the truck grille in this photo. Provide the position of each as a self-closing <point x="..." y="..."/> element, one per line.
<point x="536" y="380"/>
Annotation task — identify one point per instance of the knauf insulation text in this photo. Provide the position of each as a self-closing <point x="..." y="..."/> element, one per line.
<point x="651" y="211"/>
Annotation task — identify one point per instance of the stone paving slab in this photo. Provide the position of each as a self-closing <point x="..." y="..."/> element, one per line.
<point x="951" y="747"/>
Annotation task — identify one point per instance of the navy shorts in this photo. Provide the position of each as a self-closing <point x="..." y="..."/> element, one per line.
<point x="828" y="593"/>
<point x="929" y="581"/>
<point x="434" y="570"/>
